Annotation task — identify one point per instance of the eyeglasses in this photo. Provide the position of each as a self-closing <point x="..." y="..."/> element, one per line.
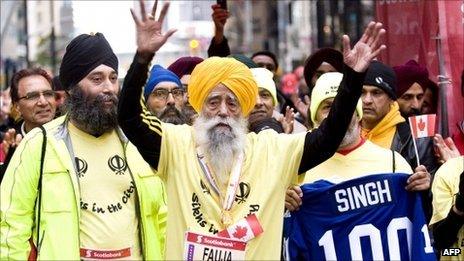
<point x="35" y="96"/>
<point x="163" y="94"/>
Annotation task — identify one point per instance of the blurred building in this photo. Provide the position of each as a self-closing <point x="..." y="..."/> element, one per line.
<point x="194" y="25"/>
<point x="51" y="27"/>
<point x="13" y="39"/>
<point x="293" y="29"/>
<point x="28" y="37"/>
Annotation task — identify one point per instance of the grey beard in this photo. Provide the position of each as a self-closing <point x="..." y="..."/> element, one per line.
<point x="221" y="146"/>
<point x="90" y="114"/>
<point x="178" y="118"/>
<point x="189" y="113"/>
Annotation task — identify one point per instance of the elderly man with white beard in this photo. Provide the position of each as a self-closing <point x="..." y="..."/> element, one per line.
<point x="216" y="174"/>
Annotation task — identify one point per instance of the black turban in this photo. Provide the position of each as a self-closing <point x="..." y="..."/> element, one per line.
<point x="326" y="54"/>
<point x="83" y="54"/>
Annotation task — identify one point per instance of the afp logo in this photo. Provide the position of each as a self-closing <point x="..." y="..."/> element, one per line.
<point x="117" y="164"/>
<point x="451" y="252"/>
<point x="81" y="166"/>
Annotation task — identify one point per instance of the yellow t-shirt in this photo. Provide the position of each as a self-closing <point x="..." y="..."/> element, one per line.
<point x="271" y="160"/>
<point x="108" y="220"/>
<point x="364" y="160"/>
<point x="445" y="185"/>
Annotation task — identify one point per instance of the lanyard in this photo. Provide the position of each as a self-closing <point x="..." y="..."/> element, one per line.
<point x="231" y="187"/>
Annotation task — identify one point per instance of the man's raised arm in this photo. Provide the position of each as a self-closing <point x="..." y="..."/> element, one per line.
<point x="322" y="143"/>
<point x="142" y="128"/>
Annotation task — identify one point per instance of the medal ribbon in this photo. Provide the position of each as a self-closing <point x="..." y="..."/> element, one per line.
<point x="233" y="179"/>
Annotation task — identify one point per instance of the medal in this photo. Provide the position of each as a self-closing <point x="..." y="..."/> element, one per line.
<point x="228" y="198"/>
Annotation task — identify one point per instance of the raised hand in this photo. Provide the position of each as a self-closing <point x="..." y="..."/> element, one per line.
<point x="366" y="49"/>
<point x="445" y="148"/>
<point x="300" y="105"/>
<point x="287" y="120"/>
<point x="11" y="140"/>
<point x="219" y="16"/>
<point x="148" y="29"/>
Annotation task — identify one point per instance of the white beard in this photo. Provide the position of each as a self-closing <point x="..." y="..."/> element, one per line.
<point x="221" y="145"/>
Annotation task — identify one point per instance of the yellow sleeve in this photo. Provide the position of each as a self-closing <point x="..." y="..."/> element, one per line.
<point x="401" y="165"/>
<point x="289" y="147"/>
<point x="18" y="192"/>
<point x="444" y="187"/>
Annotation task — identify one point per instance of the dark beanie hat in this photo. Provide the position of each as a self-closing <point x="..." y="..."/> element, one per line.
<point x="267" y="53"/>
<point x="159" y="74"/>
<point x="265" y="124"/>
<point x="184" y="65"/>
<point x="408" y="74"/>
<point x="83" y="54"/>
<point x="381" y="76"/>
<point x="328" y="55"/>
<point x="245" y="60"/>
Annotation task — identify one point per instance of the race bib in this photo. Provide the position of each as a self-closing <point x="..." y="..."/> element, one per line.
<point x="206" y="247"/>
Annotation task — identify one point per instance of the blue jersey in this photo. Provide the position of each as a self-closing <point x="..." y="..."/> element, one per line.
<point x="368" y="218"/>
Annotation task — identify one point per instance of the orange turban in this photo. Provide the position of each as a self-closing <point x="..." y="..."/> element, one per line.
<point x="228" y="71"/>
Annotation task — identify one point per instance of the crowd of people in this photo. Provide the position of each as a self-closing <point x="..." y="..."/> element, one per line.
<point x="219" y="147"/>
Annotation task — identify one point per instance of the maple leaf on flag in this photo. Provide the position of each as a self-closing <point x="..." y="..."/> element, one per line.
<point x="421" y="125"/>
<point x="240" y="232"/>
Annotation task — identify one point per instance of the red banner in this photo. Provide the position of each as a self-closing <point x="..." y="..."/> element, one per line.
<point x="413" y="27"/>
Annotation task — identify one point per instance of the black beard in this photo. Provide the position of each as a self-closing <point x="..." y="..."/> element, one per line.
<point x="90" y="114"/>
<point x="412" y="112"/>
<point x="177" y="118"/>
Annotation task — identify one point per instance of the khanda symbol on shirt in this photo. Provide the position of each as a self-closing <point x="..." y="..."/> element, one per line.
<point x="242" y="193"/>
<point x="117" y="164"/>
<point x="81" y="166"/>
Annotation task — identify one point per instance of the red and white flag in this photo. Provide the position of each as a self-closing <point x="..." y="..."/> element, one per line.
<point x="244" y="230"/>
<point x="422" y="125"/>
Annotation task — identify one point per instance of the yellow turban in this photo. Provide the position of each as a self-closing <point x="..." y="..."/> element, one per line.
<point x="228" y="71"/>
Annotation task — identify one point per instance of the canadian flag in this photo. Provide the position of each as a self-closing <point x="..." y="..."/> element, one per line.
<point x="422" y="125"/>
<point x="244" y="230"/>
